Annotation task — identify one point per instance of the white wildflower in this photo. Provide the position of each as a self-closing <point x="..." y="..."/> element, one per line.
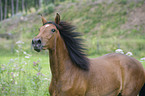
<point x="22" y="69"/>
<point x="17" y="51"/>
<point x="24" y="52"/>
<point x="129" y="53"/>
<point x="16" y="83"/>
<point x="46" y="79"/>
<point x="16" y="74"/>
<point x="19" y="42"/>
<point x="27" y="56"/>
<point x="142" y="59"/>
<point x="25" y="63"/>
<point x="119" y="51"/>
<point x="12" y="60"/>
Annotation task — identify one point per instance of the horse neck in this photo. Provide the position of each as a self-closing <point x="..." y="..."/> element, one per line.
<point x="58" y="58"/>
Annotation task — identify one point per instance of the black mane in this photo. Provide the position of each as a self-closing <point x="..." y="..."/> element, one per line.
<point x="73" y="44"/>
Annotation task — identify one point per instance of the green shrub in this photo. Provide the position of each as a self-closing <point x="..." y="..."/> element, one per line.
<point x="49" y="9"/>
<point x="123" y="1"/>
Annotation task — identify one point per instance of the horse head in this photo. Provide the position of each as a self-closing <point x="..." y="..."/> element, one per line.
<point x="48" y="33"/>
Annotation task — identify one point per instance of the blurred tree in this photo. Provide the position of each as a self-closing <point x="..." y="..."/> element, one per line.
<point x="36" y="3"/>
<point x="5" y="16"/>
<point x="25" y="4"/>
<point x="22" y="5"/>
<point x="1" y="10"/>
<point x="9" y="8"/>
<point x="12" y="2"/>
<point x="17" y="6"/>
<point x="39" y="3"/>
<point x="53" y="1"/>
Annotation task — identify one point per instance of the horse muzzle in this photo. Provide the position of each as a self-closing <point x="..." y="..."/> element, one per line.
<point x="37" y="44"/>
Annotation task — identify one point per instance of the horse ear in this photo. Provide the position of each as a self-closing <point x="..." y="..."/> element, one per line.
<point x="43" y="20"/>
<point x="57" y="18"/>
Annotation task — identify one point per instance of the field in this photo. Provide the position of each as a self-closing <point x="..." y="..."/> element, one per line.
<point x="26" y="76"/>
<point x="105" y="27"/>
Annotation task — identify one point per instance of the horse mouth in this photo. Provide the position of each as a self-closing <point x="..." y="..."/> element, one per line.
<point x="38" y="50"/>
<point x="44" y="47"/>
<point x="41" y="48"/>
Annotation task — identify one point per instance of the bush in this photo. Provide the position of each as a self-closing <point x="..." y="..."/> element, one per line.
<point x="123" y="2"/>
<point x="49" y="9"/>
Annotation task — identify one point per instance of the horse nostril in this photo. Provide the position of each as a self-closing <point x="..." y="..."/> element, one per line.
<point x="39" y="41"/>
<point x="36" y="41"/>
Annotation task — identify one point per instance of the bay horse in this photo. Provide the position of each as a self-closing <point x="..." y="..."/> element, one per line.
<point x="73" y="74"/>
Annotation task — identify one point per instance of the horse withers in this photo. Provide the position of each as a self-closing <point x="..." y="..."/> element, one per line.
<point x="73" y="74"/>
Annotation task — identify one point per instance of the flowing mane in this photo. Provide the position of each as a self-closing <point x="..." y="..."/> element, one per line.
<point x="73" y="43"/>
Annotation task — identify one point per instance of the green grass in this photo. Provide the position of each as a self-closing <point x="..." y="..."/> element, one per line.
<point x="19" y="76"/>
<point x="143" y="63"/>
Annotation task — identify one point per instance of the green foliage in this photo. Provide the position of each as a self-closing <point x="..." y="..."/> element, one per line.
<point x="123" y="1"/>
<point x="98" y="46"/>
<point x="49" y="9"/>
<point x="23" y="74"/>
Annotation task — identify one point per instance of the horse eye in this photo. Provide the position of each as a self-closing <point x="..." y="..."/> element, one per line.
<point x="53" y="30"/>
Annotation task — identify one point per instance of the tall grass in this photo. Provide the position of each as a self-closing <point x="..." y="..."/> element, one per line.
<point x="24" y="74"/>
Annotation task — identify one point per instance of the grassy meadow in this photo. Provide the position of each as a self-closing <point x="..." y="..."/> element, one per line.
<point x="26" y="76"/>
<point x="104" y="26"/>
